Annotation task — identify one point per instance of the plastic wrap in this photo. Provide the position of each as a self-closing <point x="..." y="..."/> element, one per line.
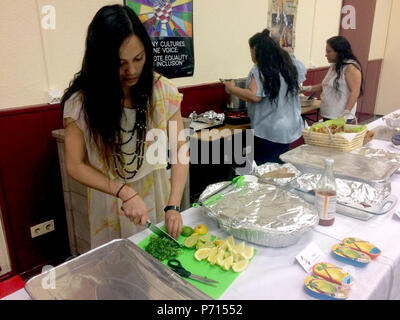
<point x="261" y="213"/>
<point x="379" y="154"/>
<point x="310" y="159"/>
<point x="118" y="270"/>
<point x="393" y="120"/>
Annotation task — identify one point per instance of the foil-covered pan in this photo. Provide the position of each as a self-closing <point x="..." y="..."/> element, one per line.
<point x="310" y="159"/>
<point x="118" y="270"/>
<point x="355" y="199"/>
<point x="263" y="214"/>
<point x="275" y="173"/>
<point x="209" y="117"/>
<point x="353" y="193"/>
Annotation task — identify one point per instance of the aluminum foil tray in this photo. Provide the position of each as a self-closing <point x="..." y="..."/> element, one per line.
<point x="355" y="194"/>
<point x="262" y="171"/>
<point x="118" y="270"/>
<point x="310" y="159"/>
<point x="263" y="214"/>
<point x="209" y="117"/>
<point x="353" y="212"/>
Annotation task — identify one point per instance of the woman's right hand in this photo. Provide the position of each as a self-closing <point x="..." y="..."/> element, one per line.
<point x="229" y="85"/>
<point x="304" y="89"/>
<point x="135" y="209"/>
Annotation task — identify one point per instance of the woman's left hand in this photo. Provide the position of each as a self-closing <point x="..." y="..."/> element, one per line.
<point x="229" y="85"/>
<point x="173" y="223"/>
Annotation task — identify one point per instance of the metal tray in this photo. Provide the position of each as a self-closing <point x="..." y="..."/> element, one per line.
<point x="361" y="214"/>
<point x="308" y="158"/>
<point x="355" y="194"/>
<point x="261" y="213"/>
<point x="118" y="270"/>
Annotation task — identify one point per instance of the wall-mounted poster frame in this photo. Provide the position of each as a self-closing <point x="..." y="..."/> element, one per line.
<point x="169" y="24"/>
<point x="282" y="22"/>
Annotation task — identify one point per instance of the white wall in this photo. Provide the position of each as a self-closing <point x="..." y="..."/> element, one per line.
<point x="222" y="29"/>
<point x="23" y="74"/>
<point x="388" y="98"/>
<point x="326" y="24"/>
<point x="380" y="29"/>
<point x="63" y="47"/>
<point x="34" y="60"/>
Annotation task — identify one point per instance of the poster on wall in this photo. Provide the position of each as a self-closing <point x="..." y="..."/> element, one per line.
<point x="282" y="22"/>
<point x="169" y="24"/>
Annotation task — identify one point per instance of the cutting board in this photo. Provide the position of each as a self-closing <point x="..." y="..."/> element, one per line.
<point x="201" y="268"/>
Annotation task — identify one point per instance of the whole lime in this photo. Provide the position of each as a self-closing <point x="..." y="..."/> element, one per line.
<point x="187" y="231"/>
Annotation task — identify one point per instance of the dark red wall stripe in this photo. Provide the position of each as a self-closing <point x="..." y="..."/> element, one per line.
<point x="30" y="181"/>
<point x="360" y="37"/>
<point x="360" y="40"/>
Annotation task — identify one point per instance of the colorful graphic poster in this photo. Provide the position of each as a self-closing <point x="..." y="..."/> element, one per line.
<point x="282" y="22"/>
<point x="169" y="24"/>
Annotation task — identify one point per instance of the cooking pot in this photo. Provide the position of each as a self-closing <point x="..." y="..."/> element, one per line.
<point x="234" y="102"/>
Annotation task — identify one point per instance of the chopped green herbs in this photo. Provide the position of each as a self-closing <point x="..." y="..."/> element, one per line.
<point x="162" y="248"/>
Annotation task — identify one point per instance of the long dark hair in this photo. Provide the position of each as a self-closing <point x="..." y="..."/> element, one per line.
<point x="99" y="83"/>
<point x="344" y="53"/>
<point x="272" y="61"/>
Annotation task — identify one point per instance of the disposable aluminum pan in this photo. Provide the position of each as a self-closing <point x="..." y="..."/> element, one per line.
<point x="118" y="270"/>
<point x="263" y="214"/>
<point x="263" y="170"/>
<point x="352" y="193"/>
<point x="310" y="159"/>
<point x="210" y="117"/>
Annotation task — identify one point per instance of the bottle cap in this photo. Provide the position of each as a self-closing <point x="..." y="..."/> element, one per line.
<point x="329" y="161"/>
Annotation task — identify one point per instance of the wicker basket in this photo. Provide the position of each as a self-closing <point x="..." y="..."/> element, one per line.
<point x="337" y="141"/>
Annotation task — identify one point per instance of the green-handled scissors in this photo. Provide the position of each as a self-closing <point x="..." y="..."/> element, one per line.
<point x="177" y="267"/>
<point x="217" y="195"/>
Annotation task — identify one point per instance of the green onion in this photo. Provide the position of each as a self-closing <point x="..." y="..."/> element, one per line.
<point x="162" y="248"/>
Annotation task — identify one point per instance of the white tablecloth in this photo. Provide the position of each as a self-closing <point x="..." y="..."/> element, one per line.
<point x="274" y="273"/>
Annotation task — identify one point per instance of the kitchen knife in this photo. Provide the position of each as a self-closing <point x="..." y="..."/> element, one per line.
<point x="161" y="233"/>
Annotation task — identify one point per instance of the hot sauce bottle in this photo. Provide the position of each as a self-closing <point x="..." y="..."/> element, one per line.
<point x="325" y="195"/>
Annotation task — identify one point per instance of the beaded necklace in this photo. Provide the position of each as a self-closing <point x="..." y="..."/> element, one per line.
<point x="123" y="159"/>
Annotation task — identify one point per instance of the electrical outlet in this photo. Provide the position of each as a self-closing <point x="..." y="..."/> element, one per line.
<point x="42" y="228"/>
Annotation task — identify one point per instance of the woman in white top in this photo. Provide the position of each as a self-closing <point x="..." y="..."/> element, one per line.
<point x="111" y="110"/>
<point x="343" y="83"/>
